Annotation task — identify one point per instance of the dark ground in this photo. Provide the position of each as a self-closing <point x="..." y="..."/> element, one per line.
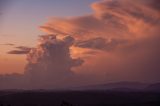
<point x="78" y="98"/>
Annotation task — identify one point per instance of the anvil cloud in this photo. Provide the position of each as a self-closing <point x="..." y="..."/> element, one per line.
<point x="125" y="35"/>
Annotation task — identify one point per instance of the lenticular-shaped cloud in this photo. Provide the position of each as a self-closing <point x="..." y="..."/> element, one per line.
<point x="20" y="50"/>
<point x="7" y="44"/>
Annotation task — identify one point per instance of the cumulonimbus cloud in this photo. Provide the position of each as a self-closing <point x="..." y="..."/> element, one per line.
<point x="120" y="28"/>
<point x="50" y="62"/>
<point x="49" y="65"/>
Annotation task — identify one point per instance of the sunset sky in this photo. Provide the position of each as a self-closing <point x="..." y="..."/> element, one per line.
<point x="88" y="41"/>
<point x="20" y="22"/>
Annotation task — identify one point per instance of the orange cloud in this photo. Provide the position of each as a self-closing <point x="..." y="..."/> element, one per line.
<point x="135" y="22"/>
<point x="111" y="19"/>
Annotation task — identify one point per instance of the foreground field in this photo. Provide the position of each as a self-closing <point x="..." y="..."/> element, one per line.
<point x="78" y="98"/>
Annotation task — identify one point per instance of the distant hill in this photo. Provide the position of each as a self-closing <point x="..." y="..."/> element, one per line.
<point x="116" y="86"/>
<point x="154" y="87"/>
<point x="123" y="86"/>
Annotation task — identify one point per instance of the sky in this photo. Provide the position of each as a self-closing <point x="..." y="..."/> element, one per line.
<point x="62" y="43"/>
<point x="20" y="24"/>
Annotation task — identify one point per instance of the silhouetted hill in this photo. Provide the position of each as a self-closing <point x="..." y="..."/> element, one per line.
<point x="111" y="94"/>
<point x="154" y="87"/>
<point x="116" y="86"/>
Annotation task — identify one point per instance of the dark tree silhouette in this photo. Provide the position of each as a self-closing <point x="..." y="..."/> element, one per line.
<point x="64" y="103"/>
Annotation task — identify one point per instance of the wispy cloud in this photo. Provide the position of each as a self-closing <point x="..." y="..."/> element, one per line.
<point x="8" y="44"/>
<point x="20" y="50"/>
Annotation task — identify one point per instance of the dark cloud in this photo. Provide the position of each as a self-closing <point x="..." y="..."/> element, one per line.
<point x="101" y="43"/>
<point x="50" y="62"/>
<point x="20" y="50"/>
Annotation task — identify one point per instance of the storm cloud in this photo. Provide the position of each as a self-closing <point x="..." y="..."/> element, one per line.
<point x="50" y="62"/>
<point x="125" y="31"/>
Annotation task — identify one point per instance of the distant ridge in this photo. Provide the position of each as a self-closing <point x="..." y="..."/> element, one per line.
<point x="123" y="86"/>
<point x="115" y="86"/>
<point x="154" y="87"/>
